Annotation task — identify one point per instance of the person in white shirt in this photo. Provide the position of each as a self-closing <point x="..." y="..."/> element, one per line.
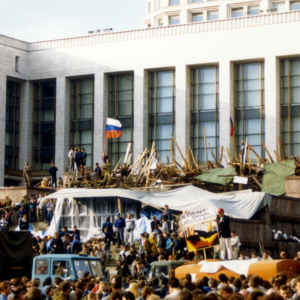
<point x="124" y="252"/>
<point x="235" y="240"/>
<point x="71" y="156"/>
<point x="174" y="289"/>
<point x="130" y="226"/>
<point x="165" y="225"/>
<point x="266" y="256"/>
<point x="254" y="255"/>
<point x="39" y="212"/>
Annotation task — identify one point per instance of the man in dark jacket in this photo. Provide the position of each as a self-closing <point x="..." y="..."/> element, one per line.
<point x="52" y="172"/>
<point x="77" y="160"/>
<point x="161" y="240"/>
<point x="57" y="244"/>
<point x="122" y="268"/>
<point x="224" y="234"/>
<point x="120" y="225"/>
<point x="76" y="245"/>
<point x="22" y="211"/>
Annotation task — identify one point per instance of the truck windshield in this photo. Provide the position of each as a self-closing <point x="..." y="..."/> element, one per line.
<point x="93" y="267"/>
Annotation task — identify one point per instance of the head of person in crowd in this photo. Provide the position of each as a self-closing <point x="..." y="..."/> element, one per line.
<point x="253" y="255"/>
<point x="221" y="212"/>
<point x="282" y="255"/>
<point x="233" y="234"/>
<point x="223" y="278"/>
<point x="225" y="291"/>
<point x="242" y="256"/>
<point x="212" y="283"/>
<point x="50" y="291"/>
<point x="237" y="282"/>
<point x="285" y="291"/>
<point x="128" y="216"/>
<point x="185" y="294"/>
<point x="244" y="293"/>
<point x="129" y="296"/>
<point x="134" y="289"/>
<point x="166" y="208"/>
<point x="271" y="291"/>
<point x="146" y="292"/>
<point x="64" y="287"/>
<point x="18" y="292"/>
<point x="118" y="215"/>
<point x="256" y="295"/>
<point x="34" y="294"/>
<point x="5" y="288"/>
<point x="265" y="255"/>
<point x="78" y="295"/>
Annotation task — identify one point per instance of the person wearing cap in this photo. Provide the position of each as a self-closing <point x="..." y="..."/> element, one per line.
<point x="122" y="268"/>
<point x="120" y="225"/>
<point x="224" y="234"/>
<point x="76" y="245"/>
<point x="130" y="225"/>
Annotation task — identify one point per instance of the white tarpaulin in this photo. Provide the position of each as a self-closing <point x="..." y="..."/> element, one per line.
<point x="238" y="266"/>
<point x="190" y="198"/>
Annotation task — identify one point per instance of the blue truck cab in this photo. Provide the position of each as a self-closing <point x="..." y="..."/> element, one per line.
<point x="66" y="266"/>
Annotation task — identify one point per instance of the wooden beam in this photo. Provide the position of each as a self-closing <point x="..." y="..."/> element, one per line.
<point x="269" y="155"/>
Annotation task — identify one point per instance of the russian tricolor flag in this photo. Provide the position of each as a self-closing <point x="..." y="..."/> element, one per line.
<point x="113" y="129"/>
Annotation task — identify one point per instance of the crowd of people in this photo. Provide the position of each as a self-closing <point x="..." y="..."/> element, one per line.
<point x="139" y="287"/>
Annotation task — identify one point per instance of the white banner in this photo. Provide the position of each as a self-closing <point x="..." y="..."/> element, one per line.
<point x="198" y="216"/>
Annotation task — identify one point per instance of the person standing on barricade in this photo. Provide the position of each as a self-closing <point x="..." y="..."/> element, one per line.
<point x="120" y="225"/>
<point x="224" y="233"/>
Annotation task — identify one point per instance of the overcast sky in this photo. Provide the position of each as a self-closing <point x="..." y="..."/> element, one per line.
<point x="37" y="20"/>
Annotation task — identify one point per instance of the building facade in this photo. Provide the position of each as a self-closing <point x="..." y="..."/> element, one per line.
<point x="186" y="80"/>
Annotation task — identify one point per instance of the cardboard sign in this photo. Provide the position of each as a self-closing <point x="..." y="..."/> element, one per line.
<point x="198" y="216"/>
<point x="200" y="228"/>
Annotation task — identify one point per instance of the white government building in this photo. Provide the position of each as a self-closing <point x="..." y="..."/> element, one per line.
<point x="195" y="65"/>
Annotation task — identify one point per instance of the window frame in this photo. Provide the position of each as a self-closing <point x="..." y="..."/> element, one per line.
<point x="198" y="112"/>
<point x="76" y="120"/>
<point x="242" y="109"/>
<point x="116" y="142"/>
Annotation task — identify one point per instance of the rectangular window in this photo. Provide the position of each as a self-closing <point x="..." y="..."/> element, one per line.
<point x="237" y="12"/>
<point x="82" y="116"/>
<point x="279" y="6"/>
<point x="198" y="17"/>
<point x="174" y="20"/>
<point x="250" y="106"/>
<point x="295" y="5"/>
<point x="174" y="2"/>
<point x="12" y="124"/>
<point x="121" y="108"/>
<point x="213" y="15"/>
<point x="205" y="112"/>
<point x="162" y="111"/>
<point x="290" y="106"/>
<point x="43" y="125"/>
<point x="196" y="1"/>
<point x="253" y="10"/>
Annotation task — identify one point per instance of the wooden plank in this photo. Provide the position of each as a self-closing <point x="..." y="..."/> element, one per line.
<point x="269" y="155"/>
<point x="171" y="149"/>
<point x="279" y="150"/>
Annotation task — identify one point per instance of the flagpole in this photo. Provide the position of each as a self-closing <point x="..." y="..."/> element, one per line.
<point x="104" y="144"/>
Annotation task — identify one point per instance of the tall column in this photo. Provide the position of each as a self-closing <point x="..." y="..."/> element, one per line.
<point x="182" y="109"/>
<point x="272" y="103"/>
<point x="2" y="125"/>
<point x="141" y="114"/>
<point x="26" y="127"/>
<point x="62" y="126"/>
<point x="226" y="104"/>
<point x="100" y="114"/>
